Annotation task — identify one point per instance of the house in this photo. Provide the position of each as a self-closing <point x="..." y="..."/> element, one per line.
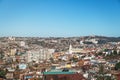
<point x="64" y="74"/>
<point x="1" y="63"/>
<point x="9" y="75"/>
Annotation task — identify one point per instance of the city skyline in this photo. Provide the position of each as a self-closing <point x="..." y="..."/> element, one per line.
<point x="59" y="18"/>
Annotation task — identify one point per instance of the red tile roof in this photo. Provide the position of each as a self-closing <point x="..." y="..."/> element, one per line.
<point x="77" y="76"/>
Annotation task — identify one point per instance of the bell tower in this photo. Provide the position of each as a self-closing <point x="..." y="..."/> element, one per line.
<point x="70" y="49"/>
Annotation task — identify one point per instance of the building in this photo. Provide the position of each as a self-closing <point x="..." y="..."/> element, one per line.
<point x="22" y="43"/>
<point x="64" y="74"/>
<point x="38" y="55"/>
<point x="13" y="52"/>
<point x="77" y="50"/>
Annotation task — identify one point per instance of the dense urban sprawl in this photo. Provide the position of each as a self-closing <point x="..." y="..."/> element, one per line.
<point x="91" y="57"/>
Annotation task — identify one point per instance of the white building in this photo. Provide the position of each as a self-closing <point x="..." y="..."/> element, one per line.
<point x="22" y="43"/>
<point x="77" y="50"/>
<point x="11" y="38"/>
<point x="38" y="55"/>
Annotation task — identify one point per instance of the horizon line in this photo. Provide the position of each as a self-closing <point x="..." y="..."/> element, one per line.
<point x="60" y="36"/>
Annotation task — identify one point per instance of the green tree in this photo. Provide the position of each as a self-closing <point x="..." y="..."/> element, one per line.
<point x="101" y="72"/>
<point x="99" y="54"/>
<point x="115" y="52"/>
<point x="2" y="73"/>
<point x="117" y="66"/>
<point x="1" y="54"/>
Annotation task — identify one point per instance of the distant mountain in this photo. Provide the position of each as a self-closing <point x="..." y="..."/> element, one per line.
<point x="109" y="39"/>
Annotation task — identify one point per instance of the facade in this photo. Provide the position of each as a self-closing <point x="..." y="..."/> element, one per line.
<point x="77" y="50"/>
<point x="22" y="43"/>
<point x="38" y="55"/>
<point x="13" y="52"/>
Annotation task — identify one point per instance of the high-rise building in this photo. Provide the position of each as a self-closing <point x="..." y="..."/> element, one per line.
<point x="38" y="55"/>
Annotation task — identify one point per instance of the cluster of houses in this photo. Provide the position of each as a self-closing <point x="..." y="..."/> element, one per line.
<point x="22" y="62"/>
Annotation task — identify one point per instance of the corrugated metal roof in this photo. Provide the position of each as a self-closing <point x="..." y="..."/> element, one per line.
<point x="50" y="73"/>
<point x="58" y="72"/>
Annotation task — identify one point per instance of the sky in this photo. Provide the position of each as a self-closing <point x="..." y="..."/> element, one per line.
<point x="59" y="18"/>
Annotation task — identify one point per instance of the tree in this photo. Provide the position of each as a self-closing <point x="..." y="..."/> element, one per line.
<point x="117" y="66"/>
<point x="2" y="73"/>
<point x="1" y="54"/>
<point x="99" y="54"/>
<point x="101" y="72"/>
<point x="52" y="60"/>
<point x="101" y="69"/>
<point x="115" y="52"/>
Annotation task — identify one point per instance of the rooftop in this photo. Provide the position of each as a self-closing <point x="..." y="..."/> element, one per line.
<point x="64" y="71"/>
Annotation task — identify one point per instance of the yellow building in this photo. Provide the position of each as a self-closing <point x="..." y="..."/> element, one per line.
<point x="12" y="52"/>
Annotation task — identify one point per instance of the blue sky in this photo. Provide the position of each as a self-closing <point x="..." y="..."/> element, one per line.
<point x="59" y="18"/>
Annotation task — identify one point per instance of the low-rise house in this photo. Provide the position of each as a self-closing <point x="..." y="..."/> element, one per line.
<point x="1" y="63"/>
<point x="9" y="75"/>
<point x="64" y="74"/>
<point x="111" y="65"/>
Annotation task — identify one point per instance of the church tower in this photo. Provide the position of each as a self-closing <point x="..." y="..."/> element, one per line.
<point x="70" y="49"/>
